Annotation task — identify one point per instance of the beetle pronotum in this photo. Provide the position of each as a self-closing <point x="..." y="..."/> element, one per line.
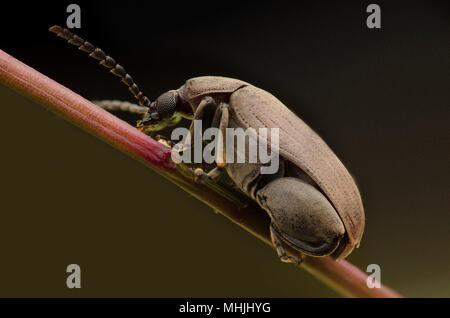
<point x="313" y="202"/>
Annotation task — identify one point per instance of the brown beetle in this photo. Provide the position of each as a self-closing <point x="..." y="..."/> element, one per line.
<point x="312" y="200"/>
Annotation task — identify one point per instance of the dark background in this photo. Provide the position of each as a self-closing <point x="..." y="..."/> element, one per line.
<point x="380" y="98"/>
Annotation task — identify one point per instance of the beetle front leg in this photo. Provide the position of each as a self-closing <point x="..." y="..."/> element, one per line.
<point x="205" y="103"/>
<point x="277" y="243"/>
<point x="220" y="120"/>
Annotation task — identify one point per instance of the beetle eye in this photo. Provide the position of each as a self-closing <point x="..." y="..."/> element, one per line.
<point x="166" y="104"/>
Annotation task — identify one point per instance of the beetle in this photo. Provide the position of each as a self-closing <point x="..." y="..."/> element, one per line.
<point x="312" y="200"/>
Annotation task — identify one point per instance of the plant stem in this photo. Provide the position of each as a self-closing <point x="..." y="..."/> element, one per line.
<point x="341" y="276"/>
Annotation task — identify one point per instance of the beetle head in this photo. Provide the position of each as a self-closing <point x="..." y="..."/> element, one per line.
<point x="167" y="110"/>
<point x="161" y="113"/>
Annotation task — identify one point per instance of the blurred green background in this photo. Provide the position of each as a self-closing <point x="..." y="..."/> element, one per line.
<point x="379" y="98"/>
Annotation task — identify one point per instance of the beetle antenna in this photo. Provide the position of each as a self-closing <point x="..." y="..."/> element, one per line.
<point x="115" y="105"/>
<point x="105" y="60"/>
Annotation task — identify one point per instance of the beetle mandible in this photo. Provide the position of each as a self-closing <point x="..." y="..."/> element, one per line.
<point x="312" y="200"/>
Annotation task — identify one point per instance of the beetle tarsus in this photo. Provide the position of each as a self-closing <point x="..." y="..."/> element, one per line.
<point x="203" y="177"/>
<point x="284" y="257"/>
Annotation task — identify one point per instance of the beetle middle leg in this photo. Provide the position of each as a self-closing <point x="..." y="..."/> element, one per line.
<point x="220" y="120"/>
<point x="223" y="112"/>
<point x="207" y="102"/>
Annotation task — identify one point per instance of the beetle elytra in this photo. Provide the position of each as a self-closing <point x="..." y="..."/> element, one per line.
<point x="312" y="200"/>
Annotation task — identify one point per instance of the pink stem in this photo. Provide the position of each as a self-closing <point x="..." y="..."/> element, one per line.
<point x="81" y="112"/>
<point x="341" y="276"/>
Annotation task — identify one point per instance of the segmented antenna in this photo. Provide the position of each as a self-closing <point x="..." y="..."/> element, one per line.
<point x="105" y="60"/>
<point x="114" y="105"/>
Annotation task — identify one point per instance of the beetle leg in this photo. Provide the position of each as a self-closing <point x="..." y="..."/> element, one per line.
<point x="276" y="241"/>
<point x="198" y="115"/>
<point x="212" y="176"/>
<point x="161" y="139"/>
<point x="217" y="115"/>
<point x="221" y="143"/>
